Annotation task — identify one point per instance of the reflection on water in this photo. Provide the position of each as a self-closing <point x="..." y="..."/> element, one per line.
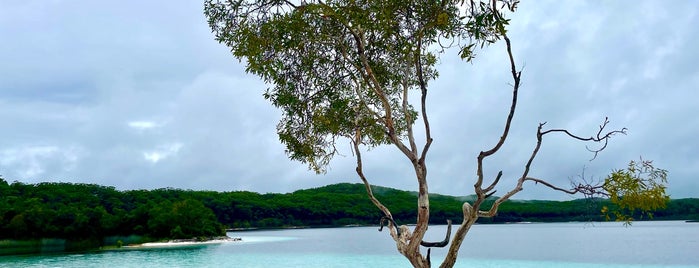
<point x="645" y="244"/>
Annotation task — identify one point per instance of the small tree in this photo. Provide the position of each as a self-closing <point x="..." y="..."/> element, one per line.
<point x="345" y="69"/>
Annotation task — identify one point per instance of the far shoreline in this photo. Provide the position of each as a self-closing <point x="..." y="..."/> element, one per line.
<point x="173" y="243"/>
<point x="187" y="242"/>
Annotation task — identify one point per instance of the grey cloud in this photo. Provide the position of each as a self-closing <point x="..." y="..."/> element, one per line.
<point x="102" y="86"/>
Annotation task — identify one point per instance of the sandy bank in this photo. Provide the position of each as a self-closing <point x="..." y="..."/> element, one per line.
<point x="185" y="242"/>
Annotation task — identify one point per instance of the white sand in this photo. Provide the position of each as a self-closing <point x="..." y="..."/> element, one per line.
<point x="184" y="243"/>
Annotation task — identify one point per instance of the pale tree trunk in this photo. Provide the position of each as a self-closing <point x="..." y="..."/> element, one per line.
<point x="407" y="242"/>
<point x="423" y="216"/>
<point x="468" y="221"/>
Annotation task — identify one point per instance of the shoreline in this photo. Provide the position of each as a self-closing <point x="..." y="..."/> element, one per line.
<point x="184" y="242"/>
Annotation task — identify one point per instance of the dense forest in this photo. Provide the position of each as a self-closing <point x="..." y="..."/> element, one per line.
<point x="92" y="212"/>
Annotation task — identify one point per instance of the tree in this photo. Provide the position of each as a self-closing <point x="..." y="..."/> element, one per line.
<point x="344" y="69"/>
<point x="183" y="219"/>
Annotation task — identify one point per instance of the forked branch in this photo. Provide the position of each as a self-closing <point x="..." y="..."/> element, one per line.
<point x="516" y="75"/>
<point x="599" y="137"/>
<point x="587" y="189"/>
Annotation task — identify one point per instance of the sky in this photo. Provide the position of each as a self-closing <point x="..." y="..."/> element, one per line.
<point x="139" y="95"/>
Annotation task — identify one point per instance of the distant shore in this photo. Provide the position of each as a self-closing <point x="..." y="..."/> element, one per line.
<point x="185" y="242"/>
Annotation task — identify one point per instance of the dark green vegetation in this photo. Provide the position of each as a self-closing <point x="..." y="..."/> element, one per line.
<point x="87" y="214"/>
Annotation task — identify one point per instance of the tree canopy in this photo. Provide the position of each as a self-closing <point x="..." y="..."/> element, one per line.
<point x="345" y="68"/>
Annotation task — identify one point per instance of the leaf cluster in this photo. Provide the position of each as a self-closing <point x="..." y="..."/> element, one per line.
<point x="340" y="68"/>
<point x="640" y="187"/>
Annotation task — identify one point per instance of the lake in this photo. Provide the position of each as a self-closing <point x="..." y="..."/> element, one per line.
<point x="609" y="244"/>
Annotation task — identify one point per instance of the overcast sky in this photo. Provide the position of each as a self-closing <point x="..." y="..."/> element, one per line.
<point x="138" y="95"/>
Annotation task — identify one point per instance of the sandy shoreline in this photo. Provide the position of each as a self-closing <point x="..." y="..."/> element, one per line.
<point x="185" y="242"/>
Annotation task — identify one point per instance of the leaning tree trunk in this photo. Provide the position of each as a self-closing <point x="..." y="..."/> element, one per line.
<point x="409" y="243"/>
<point x="469" y="219"/>
<point x="423" y="216"/>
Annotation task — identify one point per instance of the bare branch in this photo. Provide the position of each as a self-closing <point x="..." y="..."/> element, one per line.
<point x="442" y="243"/>
<point x="515" y="88"/>
<point x="599" y="137"/>
<point x="495" y="182"/>
<point x="489" y="194"/>
<point x="494" y="208"/>
<point x="586" y="189"/>
<point x="423" y="101"/>
<point x="355" y="142"/>
<point x="291" y="4"/>
<point x="583" y="188"/>
<point x="516" y="75"/>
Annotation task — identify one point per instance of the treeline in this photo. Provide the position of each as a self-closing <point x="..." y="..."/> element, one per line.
<point x="92" y="212"/>
<point x="88" y="211"/>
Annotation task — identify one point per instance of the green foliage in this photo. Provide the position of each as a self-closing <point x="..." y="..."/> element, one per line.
<point x="88" y="212"/>
<point x="343" y="68"/>
<point x="638" y="188"/>
<point x="71" y="212"/>
<point x="183" y="219"/>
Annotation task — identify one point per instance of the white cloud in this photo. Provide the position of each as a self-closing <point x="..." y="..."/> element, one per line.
<point x="162" y="152"/>
<point x="27" y="159"/>
<point x="33" y="161"/>
<point x="142" y="125"/>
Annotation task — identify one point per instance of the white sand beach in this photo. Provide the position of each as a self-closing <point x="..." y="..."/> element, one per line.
<point x="185" y="242"/>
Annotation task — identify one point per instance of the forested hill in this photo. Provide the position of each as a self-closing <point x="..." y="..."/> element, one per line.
<point x="87" y="211"/>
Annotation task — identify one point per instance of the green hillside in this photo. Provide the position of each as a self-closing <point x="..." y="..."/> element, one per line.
<point x="89" y="212"/>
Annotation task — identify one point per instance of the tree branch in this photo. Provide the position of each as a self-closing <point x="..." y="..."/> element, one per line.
<point x="518" y="187"/>
<point x="387" y="213"/>
<point x="408" y="117"/>
<point x="515" y="88"/>
<point x="423" y="101"/>
<point x="442" y="243"/>
<point x="495" y="182"/>
<point x="599" y="137"/>
<point x="586" y="189"/>
<point x="367" y="73"/>
<point x="388" y="117"/>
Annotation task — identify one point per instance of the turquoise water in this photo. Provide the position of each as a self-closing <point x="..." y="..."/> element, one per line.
<point x="657" y="244"/>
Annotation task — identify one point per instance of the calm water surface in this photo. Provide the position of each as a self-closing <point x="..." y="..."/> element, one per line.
<point x="645" y="244"/>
